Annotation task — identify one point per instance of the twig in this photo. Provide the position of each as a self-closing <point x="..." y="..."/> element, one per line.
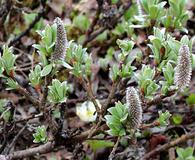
<point x="5" y="8"/>
<point x="95" y="127"/>
<point x="172" y="154"/>
<point x="109" y="99"/>
<point x="37" y="18"/>
<point x="24" y="92"/>
<point x="32" y="151"/>
<point x="104" y="107"/>
<point x="158" y="99"/>
<point x="81" y="137"/>
<point x="168" y="145"/>
<point x="53" y="126"/>
<point x="94" y="22"/>
<point x="94" y="35"/>
<point x="48" y="80"/>
<point x="111" y="95"/>
<point x="49" y="146"/>
<point x="154" y="124"/>
<point x="2" y="115"/>
<point x="88" y="88"/>
<point x="15" y="139"/>
<point x="112" y="154"/>
<point x="101" y="30"/>
<point x="30" y="117"/>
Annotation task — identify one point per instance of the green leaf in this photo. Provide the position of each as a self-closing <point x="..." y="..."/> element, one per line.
<point x="82" y="22"/>
<point x="126" y="70"/>
<point x="98" y="144"/>
<point x="125" y="45"/>
<point x="185" y="40"/>
<point x="153" y="12"/>
<point x="164" y="118"/>
<point x="56" y="113"/>
<point x="46" y="70"/>
<point x="188" y="152"/>
<point x="122" y="132"/>
<point x="117" y="120"/>
<point x="185" y="154"/>
<point x="168" y="73"/>
<point x="64" y="64"/>
<point x="6" y="115"/>
<point x="7" y="60"/>
<point x="3" y="104"/>
<point x="191" y="99"/>
<point x="119" y="29"/>
<point x="102" y="37"/>
<point x="29" y="18"/>
<point x="177" y="119"/>
<point x="12" y="84"/>
<point x="114" y="72"/>
<point x="114" y="1"/>
<point x="48" y="36"/>
<point x="58" y="91"/>
<point x="180" y="152"/>
<point x="40" y="136"/>
<point x="193" y="61"/>
<point x="35" y="76"/>
<point x="46" y="46"/>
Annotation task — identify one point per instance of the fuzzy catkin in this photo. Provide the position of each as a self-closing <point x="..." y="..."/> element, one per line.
<point x="140" y="13"/>
<point x="183" y="69"/>
<point x="135" y="109"/>
<point x="61" y="41"/>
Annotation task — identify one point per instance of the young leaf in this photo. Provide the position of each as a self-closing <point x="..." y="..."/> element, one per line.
<point x="40" y="136"/>
<point x="46" y="70"/>
<point x="164" y="118"/>
<point x="12" y="84"/>
<point x="99" y="144"/>
<point x="191" y="99"/>
<point x="117" y="120"/>
<point x="58" y="91"/>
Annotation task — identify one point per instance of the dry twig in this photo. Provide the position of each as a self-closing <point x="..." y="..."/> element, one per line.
<point x="170" y="144"/>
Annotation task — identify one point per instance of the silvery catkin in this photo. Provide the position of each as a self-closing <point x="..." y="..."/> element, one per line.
<point x="140" y="13"/>
<point x="61" y="41"/>
<point x="135" y="109"/>
<point x="183" y="70"/>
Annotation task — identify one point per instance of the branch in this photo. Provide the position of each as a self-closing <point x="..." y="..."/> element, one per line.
<point x="168" y="145"/>
<point x="32" y="151"/>
<point x="24" y="92"/>
<point x="101" y="30"/>
<point x="112" y="154"/>
<point x="111" y="95"/>
<point x="15" y="139"/>
<point x="91" y="95"/>
<point x="48" y="80"/>
<point x="150" y="125"/>
<point x="94" y="35"/>
<point x="5" y="8"/>
<point x="94" y="22"/>
<point x="34" y="22"/>
<point x="159" y="98"/>
<point x="28" y="118"/>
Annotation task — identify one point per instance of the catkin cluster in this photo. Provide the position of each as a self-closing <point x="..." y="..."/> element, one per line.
<point x="183" y="70"/>
<point x="135" y="109"/>
<point x="61" y="41"/>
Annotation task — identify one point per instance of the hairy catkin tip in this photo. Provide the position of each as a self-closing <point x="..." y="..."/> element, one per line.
<point x="61" y="43"/>
<point x="139" y="7"/>
<point x="183" y="69"/>
<point x="135" y="109"/>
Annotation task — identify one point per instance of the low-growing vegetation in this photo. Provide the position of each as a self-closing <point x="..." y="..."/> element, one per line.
<point x="97" y="79"/>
